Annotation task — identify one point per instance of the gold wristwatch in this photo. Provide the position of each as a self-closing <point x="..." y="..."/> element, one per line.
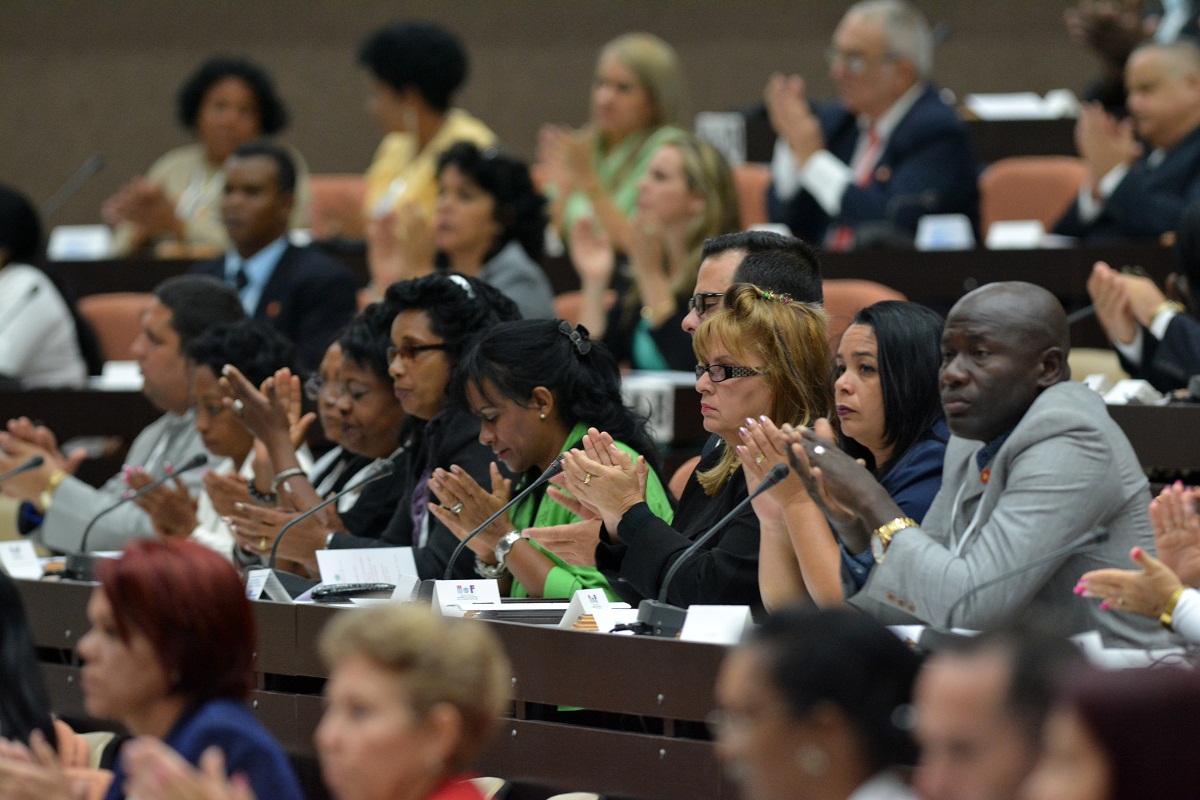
<point x="47" y="495"/>
<point x="882" y="536"/>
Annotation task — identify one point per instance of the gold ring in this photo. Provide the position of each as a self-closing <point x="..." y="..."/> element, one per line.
<point x="262" y="543"/>
<point x="1120" y="601"/>
<point x="587" y="478"/>
<point x="759" y="459"/>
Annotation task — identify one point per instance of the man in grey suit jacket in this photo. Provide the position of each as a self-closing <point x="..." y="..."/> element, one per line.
<point x="1039" y="486"/>
<point x="58" y="505"/>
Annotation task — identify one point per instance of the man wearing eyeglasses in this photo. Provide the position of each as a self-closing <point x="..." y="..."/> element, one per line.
<point x="867" y="167"/>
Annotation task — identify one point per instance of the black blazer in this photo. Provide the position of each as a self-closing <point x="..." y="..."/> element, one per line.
<point x="309" y="298"/>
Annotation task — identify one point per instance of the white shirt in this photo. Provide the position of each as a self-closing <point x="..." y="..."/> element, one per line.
<point x="38" y="344"/>
<point x="883" y="786"/>
<point x="1186" y="617"/>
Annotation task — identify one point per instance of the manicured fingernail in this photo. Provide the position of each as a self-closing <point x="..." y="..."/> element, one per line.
<point x="749" y="420"/>
<point x="239" y="506"/>
<point x="455" y="469"/>
<point x="764" y="418"/>
<point x="743" y="432"/>
<point x="1078" y="589"/>
<point x="1137" y="552"/>
<point x="1104" y="606"/>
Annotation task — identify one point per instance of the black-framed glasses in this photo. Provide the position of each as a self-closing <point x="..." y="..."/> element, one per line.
<point x="723" y="372"/>
<point x="408" y="352"/>
<point x="316" y="387"/>
<point x="703" y="302"/>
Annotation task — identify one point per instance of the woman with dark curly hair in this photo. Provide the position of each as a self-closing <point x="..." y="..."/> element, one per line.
<point x="176" y="207"/>
<point x="489" y="222"/>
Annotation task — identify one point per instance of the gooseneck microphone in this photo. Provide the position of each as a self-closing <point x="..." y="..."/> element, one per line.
<point x="552" y="470"/>
<point x="1079" y="546"/>
<point x="80" y="565"/>
<point x="33" y="462"/>
<point x="382" y="468"/>
<point x="74" y="183"/>
<point x="666" y="619"/>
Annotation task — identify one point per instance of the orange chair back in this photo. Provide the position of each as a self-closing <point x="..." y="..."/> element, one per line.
<point x="336" y="208"/>
<point x="116" y="319"/>
<point x="1029" y="187"/>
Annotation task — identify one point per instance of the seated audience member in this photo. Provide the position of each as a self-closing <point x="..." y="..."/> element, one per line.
<point x="979" y="706"/>
<point x="890" y="416"/>
<point x="488" y="222"/>
<point x="1140" y="188"/>
<point x="306" y="295"/>
<point x="411" y="699"/>
<point x="41" y="336"/>
<point x="1153" y="336"/>
<point x="257" y="350"/>
<point x="1161" y="590"/>
<point x="1035" y="467"/>
<point x="686" y="196"/>
<point x="24" y="706"/>
<point x="889" y="151"/>
<point x="170" y="656"/>
<point x="636" y="100"/>
<point x="369" y="421"/>
<point x="415" y="70"/>
<point x="59" y="505"/>
<point x="763" y="355"/>
<point x="813" y="705"/>
<point x="1122" y="735"/>
<point x="537" y="387"/>
<point x="177" y="205"/>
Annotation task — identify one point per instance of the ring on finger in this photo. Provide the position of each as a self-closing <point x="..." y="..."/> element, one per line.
<point x="238" y="407"/>
<point x="456" y="508"/>
<point x="262" y="543"/>
<point x="758" y="459"/>
<point x="819" y="450"/>
<point x="587" y="478"/>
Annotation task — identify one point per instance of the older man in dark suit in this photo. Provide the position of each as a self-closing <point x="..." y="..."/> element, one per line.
<point x="1135" y="190"/>
<point x="305" y="294"/>
<point x="888" y="152"/>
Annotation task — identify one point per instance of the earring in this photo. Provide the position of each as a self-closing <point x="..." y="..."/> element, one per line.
<point x="542" y="415"/>
<point x="813" y="760"/>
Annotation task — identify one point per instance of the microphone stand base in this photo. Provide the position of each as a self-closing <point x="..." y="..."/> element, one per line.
<point x="82" y="566"/>
<point x="663" y="619"/>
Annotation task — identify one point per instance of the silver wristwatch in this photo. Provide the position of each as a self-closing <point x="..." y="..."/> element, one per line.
<point x="505" y="545"/>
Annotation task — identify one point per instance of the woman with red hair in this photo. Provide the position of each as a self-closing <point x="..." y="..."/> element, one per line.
<point x="170" y="655"/>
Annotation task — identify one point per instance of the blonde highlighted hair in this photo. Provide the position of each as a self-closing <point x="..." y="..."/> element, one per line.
<point x="439" y="660"/>
<point x="789" y="339"/>
<point x="656" y="66"/>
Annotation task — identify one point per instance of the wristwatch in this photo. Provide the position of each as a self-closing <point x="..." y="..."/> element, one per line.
<point x="506" y="544"/>
<point x="882" y="536"/>
<point x="46" y="497"/>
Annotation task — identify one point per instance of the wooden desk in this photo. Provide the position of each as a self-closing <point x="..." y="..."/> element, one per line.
<point x="1164" y="437"/>
<point x="666" y="683"/>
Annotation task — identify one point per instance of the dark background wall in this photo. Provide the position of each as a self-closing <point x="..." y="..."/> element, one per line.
<point x="79" y="77"/>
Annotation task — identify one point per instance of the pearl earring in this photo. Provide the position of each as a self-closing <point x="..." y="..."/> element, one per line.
<point x="542" y="415"/>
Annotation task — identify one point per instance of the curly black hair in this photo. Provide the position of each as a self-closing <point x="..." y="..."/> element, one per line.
<point x="417" y="54"/>
<point x="20" y="230"/>
<point x="272" y="114"/>
<point x="459" y="307"/>
<point x="367" y="338"/>
<point x="520" y="208"/>
<point x="254" y="346"/>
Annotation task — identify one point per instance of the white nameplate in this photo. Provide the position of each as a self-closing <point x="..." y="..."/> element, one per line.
<point x="726" y="131"/>
<point x="264" y="582"/>
<point x="944" y="232"/>
<point x="20" y="560"/>
<point x="1015" y="234"/>
<point x="449" y="597"/>
<point x="366" y="565"/>
<point x="584" y="601"/>
<point x="716" y="624"/>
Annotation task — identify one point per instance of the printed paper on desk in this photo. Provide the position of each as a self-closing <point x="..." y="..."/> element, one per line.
<point x="716" y="624"/>
<point x="366" y="565"/>
<point x="585" y="601"/>
<point x="20" y="560"/>
<point x="264" y="582"/>
<point x="450" y="596"/>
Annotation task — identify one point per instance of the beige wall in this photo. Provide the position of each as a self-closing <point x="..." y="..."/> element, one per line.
<point x="79" y="77"/>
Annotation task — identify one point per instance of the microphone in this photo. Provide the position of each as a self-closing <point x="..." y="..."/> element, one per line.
<point x="80" y="565"/>
<point x="665" y="619"/>
<point x="20" y="305"/>
<point x="1080" y="314"/>
<point x="1088" y="542"/>
<point x="73" y="185"/>
<point x="32" y="463"/>
<point x="552" y="470"/>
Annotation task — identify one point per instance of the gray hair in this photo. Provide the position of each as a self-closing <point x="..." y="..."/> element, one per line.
<point x="906" y="32"/>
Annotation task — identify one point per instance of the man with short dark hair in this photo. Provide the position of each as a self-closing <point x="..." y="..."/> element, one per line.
<point x="59" y="505"/>
<point x="306" y="295"/>
<point x="979" y="705"/>
<point x="1039" y="485"/>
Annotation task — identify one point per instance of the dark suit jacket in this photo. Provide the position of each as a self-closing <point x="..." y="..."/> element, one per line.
<point x="1148" y="202"/>
<point x="308" y="298"/>
<point x="927" y="167"/>
<point x="1168" y="364"/>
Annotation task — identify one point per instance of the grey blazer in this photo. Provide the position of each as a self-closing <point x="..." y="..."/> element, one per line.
<point x="1066" y="471"/>
<point x="169" y="439"/>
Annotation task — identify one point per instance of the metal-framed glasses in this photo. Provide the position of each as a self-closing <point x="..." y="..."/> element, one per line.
<point x="723" y="372"/>
<point x="408" y="352"/>
<point x="704" y="302"/>
<point x="854" y="63"/>
<point x="317" y="387"/>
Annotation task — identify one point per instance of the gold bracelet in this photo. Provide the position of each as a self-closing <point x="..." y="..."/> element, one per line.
<point x="1168" y="614"/>
<point x="881" y="537"/>
<point x="1167" y="305"/>
<point x="47" y="495"/>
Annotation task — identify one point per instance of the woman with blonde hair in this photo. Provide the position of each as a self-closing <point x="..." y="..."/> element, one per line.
<point x="763" y="356"/>
<point x="686" y="196"/>
<point x="636" y="104"/>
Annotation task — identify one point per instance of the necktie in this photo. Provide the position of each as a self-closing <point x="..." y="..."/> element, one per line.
<point x="843" y="235"/>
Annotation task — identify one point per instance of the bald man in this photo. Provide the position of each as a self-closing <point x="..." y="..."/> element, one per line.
<point x="1140" y="188"/>
<point x="1039" y="484"/>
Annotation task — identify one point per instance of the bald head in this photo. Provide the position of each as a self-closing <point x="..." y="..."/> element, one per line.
<point x="1031" y="312"/>
<point x="1163" y="85"/>
<point x="1179" y="59"/>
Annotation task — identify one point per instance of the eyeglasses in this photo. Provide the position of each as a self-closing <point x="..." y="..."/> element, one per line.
<point x="703" y="302"/>
<point x="408" y="352"/>
<point x="723" y="372"/>
<point x="854" y="63"/>
<point x="317" y="387"/>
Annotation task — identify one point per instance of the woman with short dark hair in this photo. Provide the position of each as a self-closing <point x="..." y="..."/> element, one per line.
<point x="226" y="103"/>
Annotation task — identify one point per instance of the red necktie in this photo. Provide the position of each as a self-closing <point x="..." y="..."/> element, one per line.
<point x="843" y="236"/>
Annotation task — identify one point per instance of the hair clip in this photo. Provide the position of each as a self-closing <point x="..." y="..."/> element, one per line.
<point x="777" y="296"/>
<point x="463" y="283"/>
<point x="578" y="335"/>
